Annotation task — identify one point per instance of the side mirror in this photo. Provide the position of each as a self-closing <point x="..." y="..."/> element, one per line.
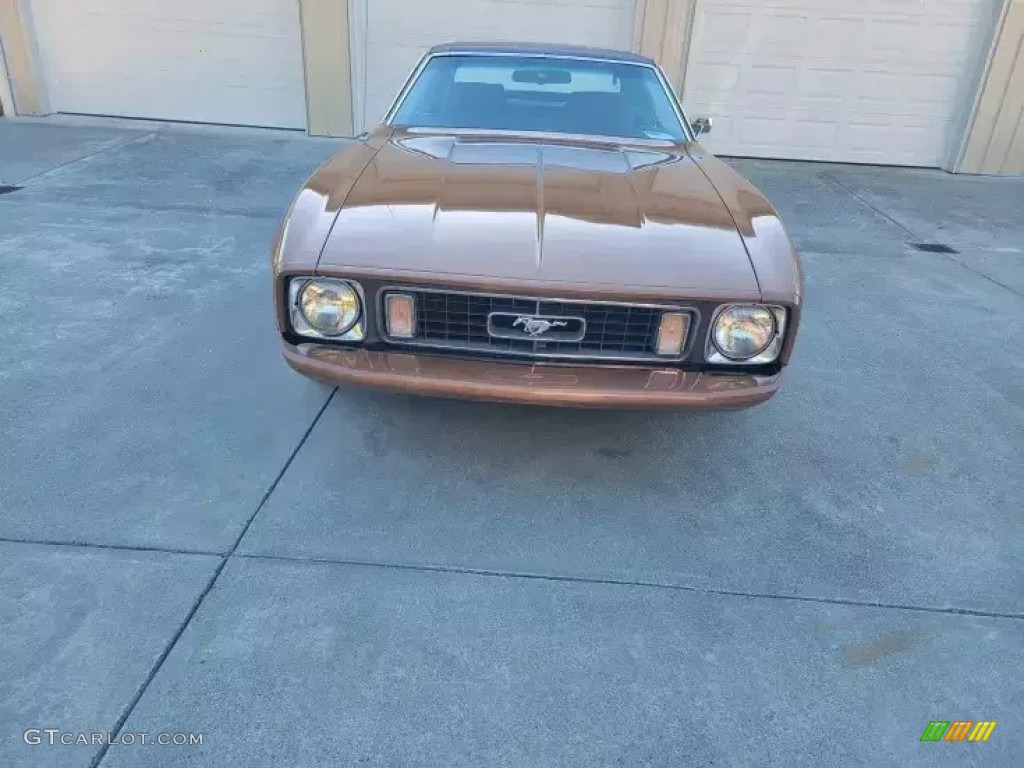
<point x="701" y="125"/>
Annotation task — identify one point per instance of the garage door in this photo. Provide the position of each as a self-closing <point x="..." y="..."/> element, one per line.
<point x="393" y="34"/>
<point x="211" y="61"/>
<point x="877" y="81"/>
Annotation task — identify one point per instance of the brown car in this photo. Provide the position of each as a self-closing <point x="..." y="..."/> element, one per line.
<point x="537" y="224"/>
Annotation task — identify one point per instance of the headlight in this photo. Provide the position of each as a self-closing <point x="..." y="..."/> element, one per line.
<point x="746" y="333"/>
<point x="325" y="307"/>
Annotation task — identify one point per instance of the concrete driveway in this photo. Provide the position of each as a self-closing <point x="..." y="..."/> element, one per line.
<point x="195" y="540"/>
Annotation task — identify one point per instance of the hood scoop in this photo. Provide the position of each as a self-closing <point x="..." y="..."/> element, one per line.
<point x="596" y="159"/>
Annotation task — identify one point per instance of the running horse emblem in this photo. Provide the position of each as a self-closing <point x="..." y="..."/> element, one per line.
<point x="533" y="326"/>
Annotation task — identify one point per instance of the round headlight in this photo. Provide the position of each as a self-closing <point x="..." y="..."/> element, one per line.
<point x="743" y="332"/>
<point x="331" y="307"/>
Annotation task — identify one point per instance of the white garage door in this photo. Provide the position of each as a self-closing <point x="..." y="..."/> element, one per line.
<point x="877" y="81"/>
<point x="393" y="34"/>
<point x="211" y="61"/>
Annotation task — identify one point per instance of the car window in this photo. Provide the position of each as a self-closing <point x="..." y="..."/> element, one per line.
<point x="580" y="80"/>
<point x="530" y="93"/>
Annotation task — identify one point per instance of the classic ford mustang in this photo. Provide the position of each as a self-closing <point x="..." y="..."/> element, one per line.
<point x="537" y="224"/>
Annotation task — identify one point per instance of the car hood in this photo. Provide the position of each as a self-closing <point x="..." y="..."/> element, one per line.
<point x="540" y="210"/>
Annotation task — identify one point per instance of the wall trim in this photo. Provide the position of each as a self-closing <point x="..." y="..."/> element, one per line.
<point x="6" y="95"/>
<point x="993" y="140"/>
<point x="358" y="14"/>
<point x="663" y="29"/>
<point x="327" y="65"/>
<point x="24" y="84"/>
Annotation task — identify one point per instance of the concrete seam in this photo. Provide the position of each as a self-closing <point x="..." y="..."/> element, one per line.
<point x="115" y="547"/>
<point x="86" y="157"/>
<point x="456" y="570"/>
<point x="869" y="204"/>
<point x="521" y="575"/>
<point x="913" y="234"/>
<point x="98" y="758"/>
<point x="250" y="212"/>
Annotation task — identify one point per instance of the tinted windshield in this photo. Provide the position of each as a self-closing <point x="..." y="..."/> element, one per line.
<point x="530" y="93"/>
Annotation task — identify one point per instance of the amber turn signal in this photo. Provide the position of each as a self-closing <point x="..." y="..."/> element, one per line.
<point x="672" y="333"/>
<point x="401" y="315"/>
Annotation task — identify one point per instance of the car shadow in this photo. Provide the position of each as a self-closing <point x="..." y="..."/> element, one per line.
<point x="597" y="445"/>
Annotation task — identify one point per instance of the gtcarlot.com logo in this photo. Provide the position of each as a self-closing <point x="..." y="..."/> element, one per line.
<point x="54" y="736"/>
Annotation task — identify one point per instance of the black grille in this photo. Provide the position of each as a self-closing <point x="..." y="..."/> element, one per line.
<point x="459" y="321"/>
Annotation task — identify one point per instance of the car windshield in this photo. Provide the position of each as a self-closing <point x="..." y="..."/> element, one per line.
<point x="536" y="93"/>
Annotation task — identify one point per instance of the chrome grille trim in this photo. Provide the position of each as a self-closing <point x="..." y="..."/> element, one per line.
<point x="632" y="338"/>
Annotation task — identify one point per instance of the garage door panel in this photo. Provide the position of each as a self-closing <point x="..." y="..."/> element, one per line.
<point x="866" y="138"/>
<point x="218" y="61"/>
<point x="768" y="80"/>
<point x="399" y="32"/>
<point x="226" y="67"/>
<point x="835" y="38"/>
<point x="825" y="86"/>
<point x="776" y="75"/>
<point x="923" y="94"/>
<point x="582" y="20"/>
<point x="868" y="142"/>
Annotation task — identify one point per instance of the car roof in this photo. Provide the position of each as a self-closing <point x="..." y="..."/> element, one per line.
<point x="542" y="49"/>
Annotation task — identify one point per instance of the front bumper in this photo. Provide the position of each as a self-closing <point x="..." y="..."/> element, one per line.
<point x="594" y="386"/>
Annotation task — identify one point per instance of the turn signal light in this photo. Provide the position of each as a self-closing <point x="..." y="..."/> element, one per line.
<point x="672" y="333"/>
<point x="401" y="315"/>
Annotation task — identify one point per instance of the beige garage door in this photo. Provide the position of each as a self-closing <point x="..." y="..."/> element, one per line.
<point x="211" y="61"/>
<point x="389" y="36"/>
<point x="878" y="81"/>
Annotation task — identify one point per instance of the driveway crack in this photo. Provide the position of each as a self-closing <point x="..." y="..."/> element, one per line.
<point x="853" y="193"/>
<point x="494" y="573"/>
<point x="98" y="758"/>
<point x="100" y="151"/>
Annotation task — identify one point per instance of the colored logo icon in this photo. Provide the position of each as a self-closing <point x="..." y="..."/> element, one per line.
<point x="958" y="730"/>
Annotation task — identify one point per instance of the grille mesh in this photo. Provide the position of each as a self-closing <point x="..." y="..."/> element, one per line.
<point x="458" y="321"/>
